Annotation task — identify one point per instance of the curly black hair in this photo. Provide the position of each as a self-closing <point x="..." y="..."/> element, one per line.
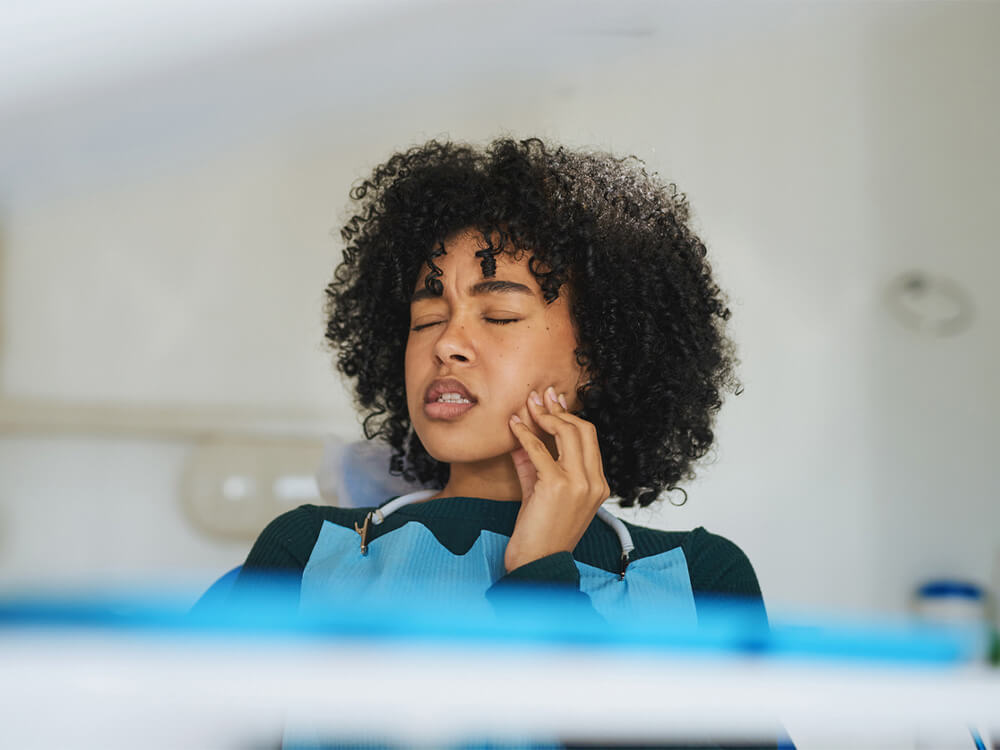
<point x="650" y="319"/>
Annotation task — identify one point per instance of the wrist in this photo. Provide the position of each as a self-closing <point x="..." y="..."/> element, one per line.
<point x="517" y="555"/>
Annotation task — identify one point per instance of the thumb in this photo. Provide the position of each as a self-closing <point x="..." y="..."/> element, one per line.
<point x="526" y="473"/>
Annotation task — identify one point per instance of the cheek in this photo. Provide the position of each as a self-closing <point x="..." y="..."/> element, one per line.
<point x="561" y="344"/>
<point x="536" y="362"/>
<point x="410" y="374"/>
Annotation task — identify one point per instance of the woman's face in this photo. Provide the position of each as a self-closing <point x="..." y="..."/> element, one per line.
<point x="477" y="351"/>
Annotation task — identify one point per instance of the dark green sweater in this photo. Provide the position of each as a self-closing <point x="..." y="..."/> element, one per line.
<point x="716" y="565"/>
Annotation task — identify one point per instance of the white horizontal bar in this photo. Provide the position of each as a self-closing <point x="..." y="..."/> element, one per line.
<point x="134" y="690"/>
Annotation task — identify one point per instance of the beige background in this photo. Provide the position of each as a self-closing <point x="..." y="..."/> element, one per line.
<point x="171" y="186"/>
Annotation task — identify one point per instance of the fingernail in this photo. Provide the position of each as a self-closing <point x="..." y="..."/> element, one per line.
<point x="514" y="418"/>
<point x="551" y="393"/>
<point x="536" y="398"/>
<point x="562" y="400"/>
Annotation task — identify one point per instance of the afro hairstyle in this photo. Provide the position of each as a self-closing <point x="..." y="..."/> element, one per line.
<point x="650" y="318"/>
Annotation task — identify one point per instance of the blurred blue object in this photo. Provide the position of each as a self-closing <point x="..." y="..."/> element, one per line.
<point x="219" y="592"/>
<point x="534" y="616"/>
<point x="949" y="589"/>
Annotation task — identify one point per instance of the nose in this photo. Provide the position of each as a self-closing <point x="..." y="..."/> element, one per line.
<point x="454" y="344"/>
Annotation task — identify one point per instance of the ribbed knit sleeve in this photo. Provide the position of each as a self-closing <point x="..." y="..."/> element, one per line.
<point x="556" y="571"/>
<point x="718" y="566"/>
<point x="285" y="544"/>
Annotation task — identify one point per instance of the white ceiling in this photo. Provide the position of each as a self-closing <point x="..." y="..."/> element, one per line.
<point x="94" y="88"/>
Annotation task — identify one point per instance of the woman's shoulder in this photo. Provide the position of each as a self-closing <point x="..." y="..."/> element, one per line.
<point x="716" y="564"/>
<point x="288" y="540"/>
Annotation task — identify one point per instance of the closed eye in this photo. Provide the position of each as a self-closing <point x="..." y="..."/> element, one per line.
<point x="422" y="326"/>
<point x="493" y="321"/>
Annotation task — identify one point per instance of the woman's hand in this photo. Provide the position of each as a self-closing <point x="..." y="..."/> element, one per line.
<point x="559" y="495"/>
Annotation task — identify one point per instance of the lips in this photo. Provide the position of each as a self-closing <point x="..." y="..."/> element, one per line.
<point x="447" y="385"/>
<point x="447" y="410"/>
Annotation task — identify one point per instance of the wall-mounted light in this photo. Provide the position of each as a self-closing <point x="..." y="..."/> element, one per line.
<point x="930" y="304"/>
<point x="234" y="486"/>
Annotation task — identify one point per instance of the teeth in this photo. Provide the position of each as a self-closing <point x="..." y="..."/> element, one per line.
<point x="452" y="398"/>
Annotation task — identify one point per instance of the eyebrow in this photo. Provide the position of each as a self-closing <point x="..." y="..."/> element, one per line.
<point x="493" y="286"/>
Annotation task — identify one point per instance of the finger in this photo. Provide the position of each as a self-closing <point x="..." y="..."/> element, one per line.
<point x="528" y="413"/>
<point x="530" y="417"/>
<point x="591" y="449"/>
<point x="555" y="406"/>
<point x="526" y="473"/>
<point x="541" y="406"/>
<point x="532" y="445"/>
<point x="569" y="445"/>
<point x="552" y="402"/>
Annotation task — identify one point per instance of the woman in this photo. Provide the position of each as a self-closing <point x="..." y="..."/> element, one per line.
<point x="532" y="330"/>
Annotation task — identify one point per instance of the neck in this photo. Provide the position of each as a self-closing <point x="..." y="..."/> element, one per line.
<point x="493" y="479"/>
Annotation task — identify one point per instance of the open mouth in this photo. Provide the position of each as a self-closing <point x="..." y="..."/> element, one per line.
<point x="448" y="390"/>
<point x="447" y="409"/>
<point x="448" y="398"/>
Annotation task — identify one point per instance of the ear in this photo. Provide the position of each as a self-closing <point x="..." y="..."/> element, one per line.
<point x="583" y="382"/>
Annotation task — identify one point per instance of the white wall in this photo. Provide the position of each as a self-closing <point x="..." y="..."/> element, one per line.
<point x="825" y="149"/>
<point x="95" y="511"/>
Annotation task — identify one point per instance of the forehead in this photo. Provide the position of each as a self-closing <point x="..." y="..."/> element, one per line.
<point x="460" y="263"/>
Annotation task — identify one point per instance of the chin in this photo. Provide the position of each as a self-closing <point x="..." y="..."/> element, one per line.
<point x="459" y="451"/>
